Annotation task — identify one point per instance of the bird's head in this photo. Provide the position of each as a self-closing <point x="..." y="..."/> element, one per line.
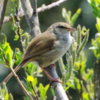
<point x="62" y="27"/>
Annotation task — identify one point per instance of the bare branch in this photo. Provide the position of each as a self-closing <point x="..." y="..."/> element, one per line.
<point x="26" y="92"/>
<point x="58" y="88"/>
<point x="40" y="9"/>
<point x="32" y="19"/>
<point x="33" y="22"/>
<point x="18" y="29"/>
<point x="17" y="78"/>
<point x="54" y="4"/>
<point x="35" y="7"/>
<point x="2" y="11"/>
<point x="59" y="91"/>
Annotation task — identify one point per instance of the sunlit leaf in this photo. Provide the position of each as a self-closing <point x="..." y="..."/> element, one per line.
<point x="8" y="52"/>
<point x="6" y="96"/>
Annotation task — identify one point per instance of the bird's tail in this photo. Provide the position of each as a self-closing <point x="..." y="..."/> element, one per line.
<point x="11" y="74"/>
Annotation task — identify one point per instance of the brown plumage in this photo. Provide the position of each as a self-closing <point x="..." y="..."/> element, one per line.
<point x="48" y="47"/>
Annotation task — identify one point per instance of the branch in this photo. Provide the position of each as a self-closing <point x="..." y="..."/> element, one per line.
<point x="81" y="91"/>
<point x="26" y="92"/>
<point x="59" y="91"/>
<point x="40" y="9"/>
<point x="54" y="4"/>
<point x="31" y="17"/>
<point x="18" y="29"/>
<point x="17" y="78"/>
<point x="2" y="11"/>
<point x="58" y="88"/>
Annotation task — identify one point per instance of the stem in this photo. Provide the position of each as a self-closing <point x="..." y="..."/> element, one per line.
<point x="3" y="6"/>
<point x="36" y="95"/>
<point x="18" y="31"/>
<point x="80" y="84"/>
<point x="62" y="67"/>
<point x="40" y="9"/>
<point x="17" y="78"/>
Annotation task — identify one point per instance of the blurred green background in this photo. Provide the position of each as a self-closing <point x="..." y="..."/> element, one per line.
<point x="47" y="18"/>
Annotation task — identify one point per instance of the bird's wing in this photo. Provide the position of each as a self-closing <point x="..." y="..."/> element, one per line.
<point x="40" y="44"/>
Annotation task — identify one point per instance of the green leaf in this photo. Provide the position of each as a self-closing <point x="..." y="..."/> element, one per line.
<point x="98" y="24"/>
<point x="76" y="83"/>
<point x="4" y="37"/>
<point x="70" y="84"/>
<point x="75" y="16"/>
<point x="82" y="68"/>
<point x="42" y="92"/>
<point x="18" y="55"/>
<point x="23" y="34"/>
<point x="47" y="87"/>
<point x="16" y="37"/>
<point x="64" y="12"/>
<point x="35" y="82"/>
<point x="6" y="96"/>
<point x="89" y="75"/>
<point x="85" y="96"/>
<point x="92" y="48"/>
<point x="1" y="47"/>
<point x="8" y="52"/>
<point x="21" y="31"/>
<point x="52" y="91"/>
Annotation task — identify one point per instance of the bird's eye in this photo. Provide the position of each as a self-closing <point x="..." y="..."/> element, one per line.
<point x="60" y="26"/>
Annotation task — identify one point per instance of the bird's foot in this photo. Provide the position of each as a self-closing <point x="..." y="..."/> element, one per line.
<point x="54" y="80"/>
<point x="50" y="78"/>
<point x="54" y="65"/>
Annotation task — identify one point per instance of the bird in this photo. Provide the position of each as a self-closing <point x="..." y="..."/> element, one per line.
<point x="47" y="48"/>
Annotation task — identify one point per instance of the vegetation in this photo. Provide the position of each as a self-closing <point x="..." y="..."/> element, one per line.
<point x="75" y="74"/>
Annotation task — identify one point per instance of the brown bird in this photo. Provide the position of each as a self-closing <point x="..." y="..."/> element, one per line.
<point x="47" y="47"/>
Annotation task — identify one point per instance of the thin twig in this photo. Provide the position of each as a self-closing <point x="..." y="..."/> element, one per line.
<point x="58" y="88"/>
<point x="95" y="79"/>
<point x="32" y="86"/>
<point x="34" y="7"/>
<point x="40" y="9"/>
<point x="86" y="87"/>
<point x="18" y="30"/>
<point x="36" y="95"/>
<point x="3" y="6"/>
<point x="54" y="4"/>
<point x="80" y="83"/>
<point x="62" y="67"/>
<point x="68" y="95"/>
<point x="99" y="73"/>
<point x="33" y="22"/>
<point x="35" y="30"/>
<point x="26" y="92"/>
<point x="34" y="26"/>
<point x="32" y="19"/>
<point x="20" y="38"/>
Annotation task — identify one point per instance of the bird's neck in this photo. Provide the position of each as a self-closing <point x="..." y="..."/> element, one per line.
<point x="63" y="36"/>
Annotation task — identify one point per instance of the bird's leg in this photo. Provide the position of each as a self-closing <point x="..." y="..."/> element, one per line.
<point x="54" y="65"/>
<point x="51" y="79"/>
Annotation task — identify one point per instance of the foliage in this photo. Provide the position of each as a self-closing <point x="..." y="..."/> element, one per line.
<point x="4" y="95"/>
<point x="11" y="58"/>
<point x="75" y="75"/>
<point x="68" y="16"/>
<point x="95" y="4"/>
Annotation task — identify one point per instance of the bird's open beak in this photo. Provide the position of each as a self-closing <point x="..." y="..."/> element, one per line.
<point x="71" y="29"/>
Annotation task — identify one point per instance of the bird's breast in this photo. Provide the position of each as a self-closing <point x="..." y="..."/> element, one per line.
<point x="50" y="57"/>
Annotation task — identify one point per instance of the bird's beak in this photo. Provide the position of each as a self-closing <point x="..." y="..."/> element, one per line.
<point x="71" y="29"/>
